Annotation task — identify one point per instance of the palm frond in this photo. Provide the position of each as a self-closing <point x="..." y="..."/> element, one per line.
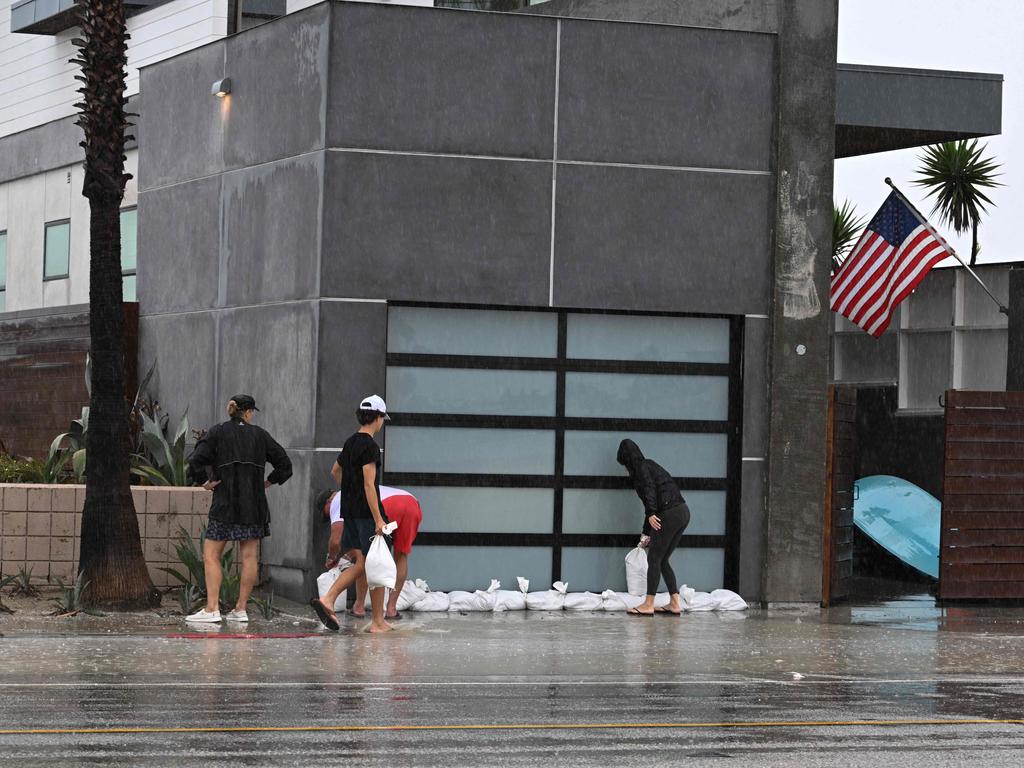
<point x="846" y="229"/>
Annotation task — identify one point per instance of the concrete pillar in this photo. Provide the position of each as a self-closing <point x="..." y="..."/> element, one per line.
<point x="800" y="313"/>
<point x="1015" y="333"/>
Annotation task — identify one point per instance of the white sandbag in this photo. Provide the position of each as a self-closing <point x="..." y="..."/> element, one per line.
<point x="583" y="601"/>
<point x="619" y="601"/>
<point x="510" y="599"/>
<point x="548" y="600"/>
<point x="326" y="580"/>
<point x="727" y="600"/>
<point x="380" y="565"/>
<point x="411" y="594"/>
<point x="431" y="601"/>
<point x="481" y="600"/>
<point x="636" y="571"/>
<point x="694" y="601"/>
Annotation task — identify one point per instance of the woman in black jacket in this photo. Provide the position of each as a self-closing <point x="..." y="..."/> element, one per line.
<point x="665" y="518"/>
<point x="232" y="456"/>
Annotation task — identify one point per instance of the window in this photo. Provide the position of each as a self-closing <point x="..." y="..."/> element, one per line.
<point x="129" y="251"/>
<point x="506" y="424"/>
<point x="56" y="256"/>
<point x="3" y="271"/>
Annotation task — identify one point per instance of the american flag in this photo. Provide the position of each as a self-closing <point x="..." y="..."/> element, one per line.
<point x="893" y="255"/>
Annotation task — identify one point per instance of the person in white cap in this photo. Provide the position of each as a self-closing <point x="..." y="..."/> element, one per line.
<point x="357" y="472"/>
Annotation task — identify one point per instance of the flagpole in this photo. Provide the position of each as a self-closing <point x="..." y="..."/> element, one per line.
<point x="949" y="248"/>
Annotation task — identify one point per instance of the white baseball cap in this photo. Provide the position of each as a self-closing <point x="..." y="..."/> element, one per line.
<point x="375" y="403"/>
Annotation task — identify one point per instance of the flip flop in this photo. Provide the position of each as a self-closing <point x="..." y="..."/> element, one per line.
<point x="396" y="617"/>
<point x="667" y="611"/>
<point x="325" y="614"/>
<point x="635" y="612"/>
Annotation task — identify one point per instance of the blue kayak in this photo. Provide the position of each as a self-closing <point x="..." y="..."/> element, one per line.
<point x="900" y="517"/>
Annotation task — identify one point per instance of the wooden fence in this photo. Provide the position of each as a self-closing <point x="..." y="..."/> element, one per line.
<point x="982" y="539"/>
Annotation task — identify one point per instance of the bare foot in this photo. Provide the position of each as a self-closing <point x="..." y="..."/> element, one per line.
<point x="382" y="627"/>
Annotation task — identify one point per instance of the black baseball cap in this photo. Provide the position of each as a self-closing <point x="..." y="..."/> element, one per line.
<point x="245" y="402"/>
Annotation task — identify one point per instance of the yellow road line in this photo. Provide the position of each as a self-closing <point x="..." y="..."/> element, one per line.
<point x="501" y="727"/>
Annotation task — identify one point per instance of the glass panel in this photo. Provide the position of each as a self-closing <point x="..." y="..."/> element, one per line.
<point x="3" y="260"/>
<point x="476" y="451"/>
<point x="486" y="510"/>
<point x="634" y="337"/>
<point x="599" y="568"/>
<point x="927" y="373"/>
<point x="129" y="247"/>
<point x="931" y="303"/>
<point x="452" y="390"/>
<point x="859" y="357"/>
<point x="620" y="511"/>
<point x="643" y="396"/>
<point x="471" y="568"/>
<point x="979" y="309"/>
<point x="58" y="243"/>
<point x="128" y="288"/>
<point x="435" y="331"/>
<point x="984" y="360"/>
<point x="684" y="455"/>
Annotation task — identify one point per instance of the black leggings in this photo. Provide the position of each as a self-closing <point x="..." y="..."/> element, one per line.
<point x="663" y="543"/>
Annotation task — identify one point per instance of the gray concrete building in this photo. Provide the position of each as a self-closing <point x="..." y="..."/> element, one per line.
<point x="534" y="234"/>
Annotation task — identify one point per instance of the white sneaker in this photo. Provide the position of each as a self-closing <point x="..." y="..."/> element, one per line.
<point x="238" y="616"/>
<point x="204" y="616"/>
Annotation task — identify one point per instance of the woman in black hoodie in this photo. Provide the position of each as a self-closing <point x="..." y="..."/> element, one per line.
<point x="665" y="518"/>
<point x="233" y="456"/>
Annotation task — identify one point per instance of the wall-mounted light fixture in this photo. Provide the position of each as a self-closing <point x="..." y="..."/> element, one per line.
<point x="221" y="88"/>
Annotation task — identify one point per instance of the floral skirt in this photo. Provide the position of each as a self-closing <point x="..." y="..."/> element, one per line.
<point x="218" y="530"/>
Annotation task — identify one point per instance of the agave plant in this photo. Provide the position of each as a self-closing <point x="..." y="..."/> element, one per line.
<point x="955" y="174"/>
<point x="165" y="462"/>
<point x="846" y="228"/>
<point x="71" y="444"/>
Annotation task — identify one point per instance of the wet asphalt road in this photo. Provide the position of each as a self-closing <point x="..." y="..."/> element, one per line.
<point x="532" y="689"/>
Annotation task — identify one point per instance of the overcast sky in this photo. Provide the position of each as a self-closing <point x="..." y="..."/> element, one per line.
<point x="962" y="35"/>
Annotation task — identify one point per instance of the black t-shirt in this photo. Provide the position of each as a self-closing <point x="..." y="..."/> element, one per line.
<point x="358" y="451"/>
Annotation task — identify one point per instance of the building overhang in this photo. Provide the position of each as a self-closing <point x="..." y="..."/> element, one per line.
<point x="884" y="108"/>
<point x="51" y="17"/>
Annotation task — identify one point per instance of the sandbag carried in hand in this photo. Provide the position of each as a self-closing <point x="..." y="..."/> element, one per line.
<point x="636" y="571"/>
<point x="583" y="601"/>
<point x="431" y="601"/>
<point x="549" y="600"/>
<point x="510" y="599"/>
<point x="326" y="580"/>
<point x="380" y="565"/>
<point x="481" y="600"/>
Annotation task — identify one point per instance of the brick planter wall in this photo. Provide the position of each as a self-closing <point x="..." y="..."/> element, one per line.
<point x="40" y="527"/>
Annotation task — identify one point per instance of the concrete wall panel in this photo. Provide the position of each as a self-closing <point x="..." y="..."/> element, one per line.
<point x="634" y="238"/>
<point x="278" y="88"/>
<point x="437" y="229"/>
<point x="270" y="353"/>
<point x="181" y="130"/>
<point x="665" y="96"/>
<point x="272" y="231"/>
<point x="442" y="81"/>
<point x="352" y="349"/>
<point x="746" y="15"/>
<point x="183" y="346"/>
<point x="752" y="529"/>
<point x="179" y="246"/>
<point x="755" y="387"/>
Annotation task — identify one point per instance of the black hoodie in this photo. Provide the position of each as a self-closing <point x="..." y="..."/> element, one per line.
<point x="655" y="486"/>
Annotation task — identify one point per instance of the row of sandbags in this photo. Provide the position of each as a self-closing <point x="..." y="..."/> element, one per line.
<point x="417" y="596"/>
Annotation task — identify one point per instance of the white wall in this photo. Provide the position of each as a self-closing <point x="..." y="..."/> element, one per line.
<point x="37" y="82"/>
<point x="26" y="205"/>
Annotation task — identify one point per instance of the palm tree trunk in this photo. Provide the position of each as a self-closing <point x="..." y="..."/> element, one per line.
<point x="974" y="242"/>
<point x="110" y="557"/>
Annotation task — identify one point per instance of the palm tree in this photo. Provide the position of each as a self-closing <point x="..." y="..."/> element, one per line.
<point x="846" y="228"/>
<point x="955" y="174"/>
<point x="111" y="558"/>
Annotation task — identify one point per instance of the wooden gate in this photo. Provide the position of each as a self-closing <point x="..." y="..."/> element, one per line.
<point x="840" y="469"/>
<point x="982" y="539"/>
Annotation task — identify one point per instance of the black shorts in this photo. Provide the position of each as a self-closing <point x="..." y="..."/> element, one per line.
<point x="358" y="534"/>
